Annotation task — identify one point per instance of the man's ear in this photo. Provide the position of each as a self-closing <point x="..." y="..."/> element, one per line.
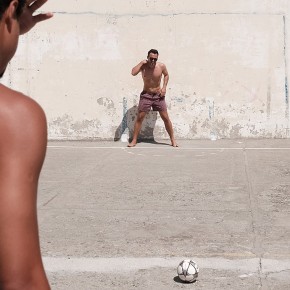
<point x="10" y="14"/>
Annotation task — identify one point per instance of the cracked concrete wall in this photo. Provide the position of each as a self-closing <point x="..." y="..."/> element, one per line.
<point x="228" y="62"/>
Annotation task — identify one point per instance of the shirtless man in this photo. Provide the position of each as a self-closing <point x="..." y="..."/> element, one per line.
<point x="23" y="138"/>
<point x="152" y="95"/>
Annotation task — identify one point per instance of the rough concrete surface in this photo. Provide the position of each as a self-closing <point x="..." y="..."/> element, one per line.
<point x="113" y="217"/>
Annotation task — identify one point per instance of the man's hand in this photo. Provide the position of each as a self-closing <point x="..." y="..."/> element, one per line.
<point x="136" y="69"/>
<point x="27" y="20"/>
<point x="163" y="92"/>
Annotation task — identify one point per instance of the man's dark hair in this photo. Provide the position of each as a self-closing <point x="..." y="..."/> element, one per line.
<point x="155" y="51"/>
<point x="5" y="3"/>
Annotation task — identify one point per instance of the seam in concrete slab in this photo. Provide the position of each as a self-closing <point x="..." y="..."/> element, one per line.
<point x="260" y="273"/>
<point x="250" y="196"/>
<point x="50" y="200"/>
<point x="286" y="71"/>
<point x="257" y="244"/>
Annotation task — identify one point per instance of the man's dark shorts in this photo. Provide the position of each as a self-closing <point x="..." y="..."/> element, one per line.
<point x="154" y="100"/>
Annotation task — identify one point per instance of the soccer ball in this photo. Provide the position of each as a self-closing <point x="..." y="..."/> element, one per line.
<point x="187" y="271"/>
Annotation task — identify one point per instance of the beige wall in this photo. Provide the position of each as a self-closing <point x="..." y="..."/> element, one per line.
<point x="228" y="63"/>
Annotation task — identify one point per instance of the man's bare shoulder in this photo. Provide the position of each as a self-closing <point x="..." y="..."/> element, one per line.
<point x="16" y="105"/>
<point x="143" y="67"/>
<point x="162" y="65"/>
<point x="21" y="117"/>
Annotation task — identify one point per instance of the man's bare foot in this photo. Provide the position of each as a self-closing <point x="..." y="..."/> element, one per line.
<point x="174" y="144"/>
<point x="132" y="144"/>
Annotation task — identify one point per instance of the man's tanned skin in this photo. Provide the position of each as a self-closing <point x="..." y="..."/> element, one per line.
<point x="152" y="72"/>
<point x="23" y="140"/>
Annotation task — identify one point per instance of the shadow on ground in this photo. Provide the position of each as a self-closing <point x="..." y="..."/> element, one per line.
<point x="147" y="130"/>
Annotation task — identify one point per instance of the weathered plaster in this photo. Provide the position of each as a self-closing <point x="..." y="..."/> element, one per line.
<point x="227" y="60"/>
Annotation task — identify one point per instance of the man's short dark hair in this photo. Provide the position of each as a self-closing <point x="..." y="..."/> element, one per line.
<point x="154" y="51"/>
<point x="5" y="3"/>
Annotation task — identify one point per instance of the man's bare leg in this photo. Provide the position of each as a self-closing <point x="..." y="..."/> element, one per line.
<point x="137" y="128"/>
<point x="168" y="127"/>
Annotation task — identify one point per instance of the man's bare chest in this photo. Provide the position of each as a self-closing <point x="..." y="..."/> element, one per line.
<point x="152" y="74"/>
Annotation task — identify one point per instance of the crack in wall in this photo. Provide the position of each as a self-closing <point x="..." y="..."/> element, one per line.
<point x="166" y="14"/>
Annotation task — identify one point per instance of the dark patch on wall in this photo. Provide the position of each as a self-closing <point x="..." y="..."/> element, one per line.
<point x="66" y="127"/>
<point x="106" y="103"/>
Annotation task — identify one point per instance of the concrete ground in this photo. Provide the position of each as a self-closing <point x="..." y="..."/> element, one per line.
<point x="113" y="217"/>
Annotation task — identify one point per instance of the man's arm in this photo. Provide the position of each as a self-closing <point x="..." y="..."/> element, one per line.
<point x="23" y="138"/>
<point x="165" y="79"/>
<point x="136" y="69"/>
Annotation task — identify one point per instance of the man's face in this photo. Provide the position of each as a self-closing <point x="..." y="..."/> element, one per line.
<point x="152" y="59"/>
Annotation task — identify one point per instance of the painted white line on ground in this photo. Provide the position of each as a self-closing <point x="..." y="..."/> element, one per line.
<point x="123" y="264"/>
<point x="168" y="148"/>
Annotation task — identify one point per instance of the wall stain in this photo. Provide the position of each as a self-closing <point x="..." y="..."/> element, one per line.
<point x="109" y="104"/>
<point x="65" y="126"/>
<point x="235" y="131"/>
